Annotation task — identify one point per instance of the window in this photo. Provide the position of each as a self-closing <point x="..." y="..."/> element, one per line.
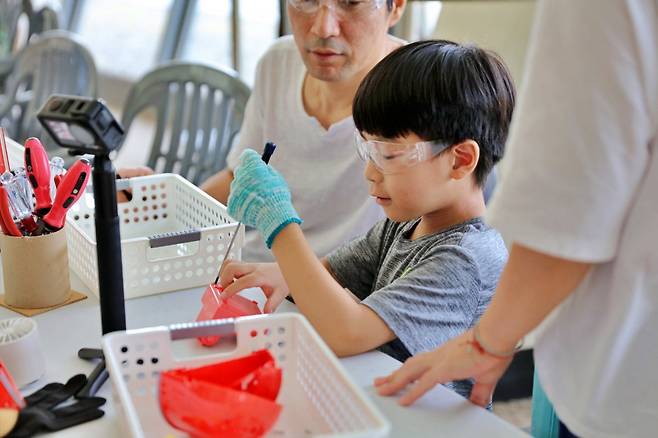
<point x="210" y="35"/>
<point x="124" y="35"/>
<point x="209" y="39"/>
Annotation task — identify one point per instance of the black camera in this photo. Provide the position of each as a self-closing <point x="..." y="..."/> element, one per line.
<point x="81" y="123"/>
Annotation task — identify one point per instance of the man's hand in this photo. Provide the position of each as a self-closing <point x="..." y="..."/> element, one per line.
<point x="130" y="172"/>
<point x="455" y="360"/>
<point x="237" y="276"/>
<point x="260" y="197"/>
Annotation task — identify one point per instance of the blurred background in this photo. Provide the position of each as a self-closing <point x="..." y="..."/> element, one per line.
<point x="127" y="38"/>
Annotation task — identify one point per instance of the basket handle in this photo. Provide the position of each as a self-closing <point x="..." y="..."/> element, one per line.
<point x="186" y="330"/>
<point x="168" y="239"/>
<point x="121" y="184"/>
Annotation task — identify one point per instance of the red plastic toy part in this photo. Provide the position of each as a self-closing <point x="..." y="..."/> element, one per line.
<point x="235" y="398"/>
<point x="10" y="396"/>
<point x="213" y="307"/>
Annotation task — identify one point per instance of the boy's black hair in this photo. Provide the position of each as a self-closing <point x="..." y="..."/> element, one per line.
<point x="443" y="91"/>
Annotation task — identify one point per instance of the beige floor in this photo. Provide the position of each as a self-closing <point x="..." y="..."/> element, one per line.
<point x="516" y="412"/>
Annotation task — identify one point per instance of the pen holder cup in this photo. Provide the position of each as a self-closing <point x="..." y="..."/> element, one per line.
<point x="35" y="270"/>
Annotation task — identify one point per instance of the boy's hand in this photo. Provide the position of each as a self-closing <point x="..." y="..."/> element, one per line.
<point x="237" y="276"/>
<point x="455" y="360"/>
<point x="260" y="197"/>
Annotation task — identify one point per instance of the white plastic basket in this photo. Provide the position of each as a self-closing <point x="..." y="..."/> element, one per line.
<point x="173" y="236"/>
<point x="317" y="396"/>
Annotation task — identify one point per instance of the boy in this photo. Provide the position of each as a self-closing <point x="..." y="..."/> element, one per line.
<point x="432" y="118"/>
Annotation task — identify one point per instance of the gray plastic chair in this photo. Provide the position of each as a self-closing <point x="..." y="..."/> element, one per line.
<point x="10" y="12"/>
<point x="199" y="111"/>
<point x="40" y="21"/>
<point x="53" y="62"/>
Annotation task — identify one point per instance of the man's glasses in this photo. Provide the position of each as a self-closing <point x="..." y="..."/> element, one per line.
<point x="396" y="157"/>
<point x="351" y="8"/>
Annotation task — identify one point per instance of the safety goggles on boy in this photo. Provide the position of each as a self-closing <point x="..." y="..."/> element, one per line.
<point x="350" y="8"/>
<point x="395" y="157"/>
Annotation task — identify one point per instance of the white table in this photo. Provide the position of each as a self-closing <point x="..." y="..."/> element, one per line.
<point x="63" y="331"/>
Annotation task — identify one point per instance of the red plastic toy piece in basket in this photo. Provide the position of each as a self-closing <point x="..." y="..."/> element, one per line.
<point x="10" y="396"/>
<point x="213" y="307"/>
<point x="235" y="398"/>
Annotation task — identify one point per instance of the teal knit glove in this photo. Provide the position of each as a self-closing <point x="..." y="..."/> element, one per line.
<point x="260" y="197"/>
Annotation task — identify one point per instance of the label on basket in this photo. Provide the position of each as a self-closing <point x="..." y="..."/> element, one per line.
<point x="167" y="239"/>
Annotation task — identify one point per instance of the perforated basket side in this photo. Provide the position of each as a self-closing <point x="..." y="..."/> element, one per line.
<point x="184" y="265"/>
<point x="136" y="358"/>
<point x="340" y="403"/>
<point x="162" y="205"/>
<point x="333" y="407"/>
<point x="82" y="255"/>
<point x="195" y="209"/>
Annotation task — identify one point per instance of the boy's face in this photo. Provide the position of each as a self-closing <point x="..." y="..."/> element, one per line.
<point x="336" y="42"/>
<point x="415" y="191"/>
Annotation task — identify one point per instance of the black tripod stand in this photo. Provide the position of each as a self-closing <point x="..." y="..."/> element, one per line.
<point x="110" y="273"/>
<point x="87" y="127"/>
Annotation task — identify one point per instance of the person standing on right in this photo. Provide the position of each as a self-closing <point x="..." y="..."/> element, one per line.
<point x="579" y="202"/>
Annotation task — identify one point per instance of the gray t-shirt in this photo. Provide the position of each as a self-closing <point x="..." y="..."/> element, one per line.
<point x="427" y="290"/>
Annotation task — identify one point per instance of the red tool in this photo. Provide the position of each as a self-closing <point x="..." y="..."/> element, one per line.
<point x="69" y="191"/>
<point x="213" y="307"/>
<point x="6" y="220"/>
<point x="37" y="167"/>
<point x="10" y="396"/>
<point x="236" y="398"/>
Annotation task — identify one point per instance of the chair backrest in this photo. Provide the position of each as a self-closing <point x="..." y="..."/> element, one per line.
<point x="10" y="12"/>
<point x="53" y="62"/>
<point x="13" y="37"/>
<point x="199" y="112"/>
<point x="44" y="20"/>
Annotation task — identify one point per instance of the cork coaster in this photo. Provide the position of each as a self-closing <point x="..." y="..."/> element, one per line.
<point x="73" y="298"/>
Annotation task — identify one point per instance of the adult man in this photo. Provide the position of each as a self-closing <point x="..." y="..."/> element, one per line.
<point x="302" y="101"/>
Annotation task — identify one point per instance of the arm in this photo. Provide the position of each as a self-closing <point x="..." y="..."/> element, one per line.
<point x="531" y="286"/>
<point x="347" y="326"/>
<point x="219" y="185"/>
<point x="260" y="198"/>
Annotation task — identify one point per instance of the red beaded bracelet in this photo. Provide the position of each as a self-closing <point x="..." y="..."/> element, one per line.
<point x="476" y="342"/>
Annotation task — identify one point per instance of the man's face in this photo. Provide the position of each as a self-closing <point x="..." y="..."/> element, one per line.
<point x="338" y="42"/>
